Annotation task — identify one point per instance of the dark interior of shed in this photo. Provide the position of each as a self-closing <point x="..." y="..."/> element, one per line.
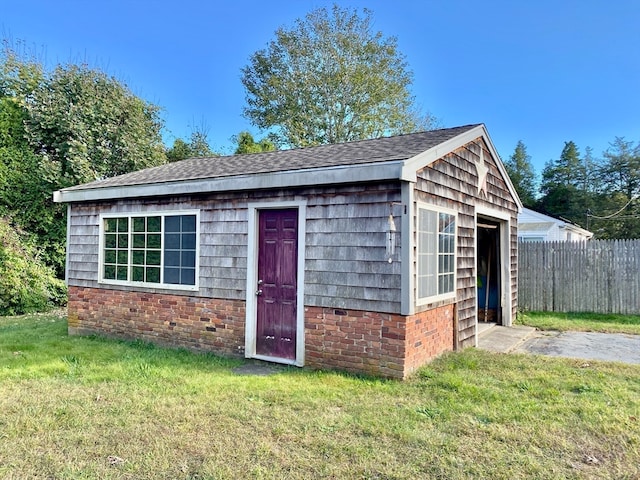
<point x="488" y="271"/>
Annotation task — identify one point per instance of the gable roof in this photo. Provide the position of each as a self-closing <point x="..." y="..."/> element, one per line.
<point x="385" y="158"/>
<point x="531" y="220"/>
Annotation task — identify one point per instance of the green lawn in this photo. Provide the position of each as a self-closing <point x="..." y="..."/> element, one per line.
<point x="80" y="408"/>
<point x="585" y="322"/>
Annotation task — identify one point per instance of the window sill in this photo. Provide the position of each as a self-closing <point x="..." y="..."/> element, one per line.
<point x="155" y="286"/>
<point x="436" y="300"/>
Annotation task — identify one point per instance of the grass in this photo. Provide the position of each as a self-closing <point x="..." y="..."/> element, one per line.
<point x="90" y="408"/>
<point x="585" y="322"/>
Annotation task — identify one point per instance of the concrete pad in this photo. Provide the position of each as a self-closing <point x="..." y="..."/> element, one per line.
<point x="612" y="347"/>
<point x="503" y="339"/>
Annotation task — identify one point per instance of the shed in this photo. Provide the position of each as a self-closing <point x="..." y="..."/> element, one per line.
<point x="538" y="227"/>
<point x="364" y="256"/>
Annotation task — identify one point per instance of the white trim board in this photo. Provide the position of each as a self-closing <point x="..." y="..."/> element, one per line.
<point x="310" y="177"/>
<point x="504" y="219"/>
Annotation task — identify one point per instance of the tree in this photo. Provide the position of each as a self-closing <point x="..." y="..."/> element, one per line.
<point x="618" y="210"/>
<point x="26" y="283"/>
<point x="522" y="175"/>
<point x="246" y="144"/>
<point x="198" y="146"/>
<point x="25" y="193"/>
<point x="563" y="186"/>
<point x="179" y="151"/>
<point x="87" y="126"/>
<point x="621" y="169"/>
<point x="328" y="79"/>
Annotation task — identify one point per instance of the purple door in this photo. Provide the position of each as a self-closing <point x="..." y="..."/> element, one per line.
<point x="277" y="283"/>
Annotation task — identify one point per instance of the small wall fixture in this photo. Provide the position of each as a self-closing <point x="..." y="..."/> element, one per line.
<point x="391" y="234"/>
<point x="391" y="239"/>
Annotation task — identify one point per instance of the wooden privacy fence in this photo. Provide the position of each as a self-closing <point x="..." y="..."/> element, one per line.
<point x="601" y="276"/>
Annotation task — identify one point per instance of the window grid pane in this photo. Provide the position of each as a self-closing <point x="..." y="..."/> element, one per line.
<point x="427" y="254"/>
<point x="446" y="252"/>
<point x="435" y="253"/>
<point x="116" y="248"/>
<point x="133" y="249"/>
<point x="180" y="249"/>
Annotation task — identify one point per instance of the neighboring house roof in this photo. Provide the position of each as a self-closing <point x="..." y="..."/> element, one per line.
<point x="537" y="226"/>
<point x="386" y="158"/>
<point x="530" y="221"/>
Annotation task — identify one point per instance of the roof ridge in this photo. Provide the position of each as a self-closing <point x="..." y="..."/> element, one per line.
<point x="357" y="152"/>
<point x="349" y="142"/>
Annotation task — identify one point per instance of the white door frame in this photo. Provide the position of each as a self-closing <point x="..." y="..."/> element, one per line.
<point x="252" y="279"/>
<point x="504" y="221"/>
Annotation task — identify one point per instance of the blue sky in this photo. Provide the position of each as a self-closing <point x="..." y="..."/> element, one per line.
<point x="540" y="71"/>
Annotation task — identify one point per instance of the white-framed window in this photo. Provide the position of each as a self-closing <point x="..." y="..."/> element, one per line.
<point x="157" y="249"/>
<point x="436" y="254"/>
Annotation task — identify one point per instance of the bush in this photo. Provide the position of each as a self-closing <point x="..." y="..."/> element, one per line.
<point x="27" y="285"/>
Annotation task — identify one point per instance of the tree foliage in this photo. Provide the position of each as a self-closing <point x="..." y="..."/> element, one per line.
<point x="197" y="146"/>
<point x="27" y="284"/>
<point x="563" y="187"/>
<point x="330" y="78"/>
<point x="620" y="171"/>
<point x="616" y="214"/>
<point x="522" y="174"/>
<point x="87" y="126"/>
<point x="245" y="143"/>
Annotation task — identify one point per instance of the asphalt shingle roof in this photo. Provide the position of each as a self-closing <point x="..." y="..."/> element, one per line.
<point x="384" y="149"/>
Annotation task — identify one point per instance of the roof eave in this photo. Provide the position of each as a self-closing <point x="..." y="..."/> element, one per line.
<point x="368" y="172"/>
<point x="577" y="229"/>
<point x="414" y="164"/>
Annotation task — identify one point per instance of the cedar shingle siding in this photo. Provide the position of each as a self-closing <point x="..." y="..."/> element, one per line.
<point x="345" y="264"/>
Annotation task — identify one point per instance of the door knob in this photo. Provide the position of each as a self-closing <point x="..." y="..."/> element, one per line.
<point x="259" y="292"/>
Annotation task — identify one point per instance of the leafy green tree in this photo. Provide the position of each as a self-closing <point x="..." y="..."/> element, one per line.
<point x="331" y="78"/>
<point x="26" y="283"/>
<point x="25" y="196"/>
<point x="20" y="74"/>
<point x="247" y="144"/>
<point x="178" y="151"/>
<point x="522" y="174"/>
<point x="591" y="180"/>
<point x="87" y="126"/>
<point x="198" y="146"/>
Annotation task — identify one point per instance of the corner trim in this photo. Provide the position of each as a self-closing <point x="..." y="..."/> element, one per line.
<point x="407" y="272"/>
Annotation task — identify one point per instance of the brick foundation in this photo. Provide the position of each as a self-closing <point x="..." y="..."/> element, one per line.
<point x="360" y="342"/>
<point x="429" y="334"/>
<point x="376" y="343"/>
<point x="174" y="320"/>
